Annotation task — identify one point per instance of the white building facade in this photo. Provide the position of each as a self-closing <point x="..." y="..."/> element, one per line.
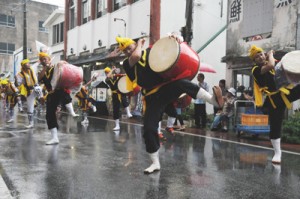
<point x="92" y="25"/>
<point x="55" y="24"/>
<point x="269" y="24"/>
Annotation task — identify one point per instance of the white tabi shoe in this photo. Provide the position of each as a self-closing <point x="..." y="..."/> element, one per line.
<point x="70" y="109"/>
<point x="52" y="142"/>
<point x="30" y="126"/>
<point x="129" y="115"/>
<point x="277" y="151"/>
<point x="117" y="127"/>
<point x="94" y="109"/>
<point x="10" y="120"/>
<point x="85" y="121"/>
<point x="54" y="139"/>
<point x="155" y="166"/>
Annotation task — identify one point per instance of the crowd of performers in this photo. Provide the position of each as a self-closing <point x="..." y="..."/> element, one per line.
<point x="159" y="95"/>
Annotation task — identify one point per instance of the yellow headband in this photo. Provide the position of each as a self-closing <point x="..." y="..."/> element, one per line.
<point x="4" y="82"/>
<point x="107" y="69"/>
<point x="42" y="54"/>
<point x="124" y="42"/>
<point x="25" y="61"/>
<point x="254" y="50"/>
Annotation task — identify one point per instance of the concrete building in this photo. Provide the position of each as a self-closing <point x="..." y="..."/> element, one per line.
<point x="92" y="25"/>
<point x="55" y="24"/>
<point x="11" y="29"/>
<point x="270" y="24"/>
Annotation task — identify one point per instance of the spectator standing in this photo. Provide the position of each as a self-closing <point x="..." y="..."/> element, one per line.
<point x="200" y="104"/>
<point x="180" y="104"/>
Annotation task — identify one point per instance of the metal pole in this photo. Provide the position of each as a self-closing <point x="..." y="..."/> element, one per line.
<point x="212" y="38"/>
<point x="24" y="31"/>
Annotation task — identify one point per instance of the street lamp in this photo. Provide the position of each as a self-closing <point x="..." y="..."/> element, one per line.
<point x="119" y="19"/>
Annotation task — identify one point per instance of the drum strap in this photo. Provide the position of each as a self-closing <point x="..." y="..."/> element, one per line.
<point x="142" y="61"/>
<point x="113" y="82"/>
<point x="49" y="73"/>
<point x="47" y="79"/>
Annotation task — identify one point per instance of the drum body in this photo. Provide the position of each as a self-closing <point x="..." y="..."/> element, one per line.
<point x="183" y="101"/>
<point x="291" y="66"/>
<point x="67" y="76"/>
<point x="127" y="89"/>
<point x="173" y="60"/>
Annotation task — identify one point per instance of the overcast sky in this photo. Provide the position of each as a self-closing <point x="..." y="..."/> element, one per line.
<point x="60" y="3"/>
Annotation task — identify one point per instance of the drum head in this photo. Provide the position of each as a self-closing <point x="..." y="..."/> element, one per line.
<point x="122" y="86"/>
<point x="164" y="54"/>
<point x="182" y="96"/>
<point x="291" y="62"/>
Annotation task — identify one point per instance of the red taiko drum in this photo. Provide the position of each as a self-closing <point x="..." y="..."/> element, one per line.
<point x="124" y="89"/>
<point x="67" y="76"/>
<point x="173" y="60"/>
<point x="183" y="101"/>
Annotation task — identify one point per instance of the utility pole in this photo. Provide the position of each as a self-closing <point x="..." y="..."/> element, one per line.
<point x="24" y="26"/>
<point x="24" y="31"/>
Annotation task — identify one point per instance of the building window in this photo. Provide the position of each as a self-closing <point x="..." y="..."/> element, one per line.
<point x="6" y="20"/>
<point x="41" y="27"/>
<point x="58" y="33"/>
<point x="101" y="8"/>
<point x="73" y="13"/>
<point x="7" y="48"/>
<point x="257" y="20"/>
<point x="117" y="4"/>
<point x="133" y="1"/>
<point x="85" y="11"/>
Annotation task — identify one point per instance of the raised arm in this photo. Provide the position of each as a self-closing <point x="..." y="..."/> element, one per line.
<point x="137" y="53"/>
<point x="270" y="62"/>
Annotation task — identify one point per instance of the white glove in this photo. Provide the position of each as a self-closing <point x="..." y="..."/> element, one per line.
<point x="38" y="91"/>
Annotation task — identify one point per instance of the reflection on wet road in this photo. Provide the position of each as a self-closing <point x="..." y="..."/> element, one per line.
<point x="95" y="162"/>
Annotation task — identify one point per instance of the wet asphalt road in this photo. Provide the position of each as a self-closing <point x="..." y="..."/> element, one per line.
<point x="95" y="162"/>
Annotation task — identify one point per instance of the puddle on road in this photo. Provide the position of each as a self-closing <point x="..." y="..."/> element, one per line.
<point x="8" y="131"/>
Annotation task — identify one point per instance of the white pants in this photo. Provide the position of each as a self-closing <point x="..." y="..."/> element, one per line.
<point x="30" y="101"/>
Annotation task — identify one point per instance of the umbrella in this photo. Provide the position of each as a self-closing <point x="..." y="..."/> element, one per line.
<point x="204" y="67"/>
